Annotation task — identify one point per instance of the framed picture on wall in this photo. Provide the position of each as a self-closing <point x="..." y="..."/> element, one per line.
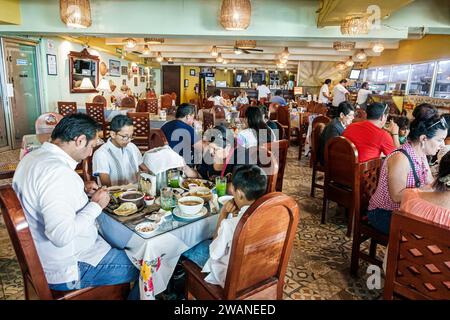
<point x="114" y="68"/>
<point x="135" y="81"/>
<point x="124" y="70"/>
<point x="192" y="72"/>
<point x="142" y="79"/>
<point x="141" y="71"/>
<point x="52" y="69"/>
<point x="186" y="83"/>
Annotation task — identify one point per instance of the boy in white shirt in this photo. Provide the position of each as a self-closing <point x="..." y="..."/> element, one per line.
<point x="263" y="91"/>
<point x="249" y="183"/>
<point x="118" y="161"/>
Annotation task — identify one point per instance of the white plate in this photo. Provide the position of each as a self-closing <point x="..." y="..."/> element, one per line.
<point x="177" y="212"/>
<point x="224" y="199"/>
<point x="143" y="225"/>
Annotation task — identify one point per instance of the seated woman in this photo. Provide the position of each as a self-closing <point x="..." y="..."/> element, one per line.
<point x="434" y="205"/>
<point x="242" y="98"/>
<point x="258" y="131"/>
<point x="408" y="166"/>
<point x="218" y="99"/>
<point x="248" y="184"/>
<point x="118" y="161"/>
<point x="270" y="123"/>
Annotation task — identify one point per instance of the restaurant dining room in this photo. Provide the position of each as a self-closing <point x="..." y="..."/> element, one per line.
<point x="225" y="150"/>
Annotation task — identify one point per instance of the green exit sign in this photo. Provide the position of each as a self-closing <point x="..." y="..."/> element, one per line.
<point x="119" y="50"/>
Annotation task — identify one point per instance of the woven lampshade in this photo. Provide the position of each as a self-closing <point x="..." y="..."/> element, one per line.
<point x="235" y="14"/>
<point x="154" y="40"/>
<point x="75" y="13"/>
<point x="355" y="26"/>
<point x="245" y="44"/>
<point x="343" y="46"/>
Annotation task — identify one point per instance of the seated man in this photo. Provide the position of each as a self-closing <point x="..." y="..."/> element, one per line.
<point x="278" y="98"/>
<point x="181" y="135"/>
<point x="118" y="161"/>
<point x="60" y="215"/>
<point x="249" y="183"/>
<point x="369" y="136"/>
<point x="335" y="128"/>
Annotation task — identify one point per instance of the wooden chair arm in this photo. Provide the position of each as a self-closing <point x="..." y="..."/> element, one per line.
<point x="194" y="275"/>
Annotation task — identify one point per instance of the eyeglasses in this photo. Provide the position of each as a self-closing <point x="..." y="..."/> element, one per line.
<point x="440" y="121"/>
<point x="126" y="138"/>
<point x="385" y="108"/>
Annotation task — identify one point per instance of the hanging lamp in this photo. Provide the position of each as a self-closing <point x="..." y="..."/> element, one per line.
<point x="75" y="13"/>
<point x="235" y="14"/>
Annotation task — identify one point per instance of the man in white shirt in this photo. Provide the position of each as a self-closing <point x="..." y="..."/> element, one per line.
<point x="118" y="161"/>
<point x="263" y="91"/>
<point x="340" y="93"/>
<point x="363" y="94"/>
<point x="60" y="215"/>
<point x="249" y="183"/>
<point x="324" y="94"/>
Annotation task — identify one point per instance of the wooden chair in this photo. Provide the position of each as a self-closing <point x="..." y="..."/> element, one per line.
<point x="267" y="161"/>
<point x="66" y="108"/>
<point x="208" y="104"/>
<point x="341" y="179"/>
<point x="262" y="244"/>
<point x="142" y="105"/>
<point x="208" y="120"/>
<point x="157" y="138"/>
<point x="315" y="163"/>
<point x="284" y="118"/>
<point x="35" y="282"/>
<point x="219" y="112"/>
<point x="84" y="168"/>
<point x="141" y="124"/>
<point x="97" y="112"/>
<point x="128" y="103"/>
<point x="242" y="110"/>
<point x="279" y="132"/>
<point x="100" y="99"/>
<point x="279" y="150"/>
<point x="263" y="101"/>
<point x="273" y="111"/>
<point x="166" y="101"/>
<point x="368" y="179"/>
<point x="152" y="105"/>
<point x="418" y="265"/>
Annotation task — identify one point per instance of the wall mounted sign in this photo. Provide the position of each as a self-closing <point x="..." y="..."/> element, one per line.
<point x="52" y="69"/>
<point x="114" y="68"/>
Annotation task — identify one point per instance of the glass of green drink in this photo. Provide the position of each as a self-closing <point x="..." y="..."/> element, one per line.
<point x="166" y="198"/>
<point x="174" y="178"/>
<point x="221" y="186"/>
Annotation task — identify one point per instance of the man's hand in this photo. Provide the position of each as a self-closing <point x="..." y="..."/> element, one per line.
<point x="392" y="128"/>
<point x="230" y="207"/>
<point x="101" y="197"/>
<point x="90" y="187"/>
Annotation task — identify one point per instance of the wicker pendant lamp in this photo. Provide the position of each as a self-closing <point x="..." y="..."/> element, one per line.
<point x="75" y="13"/>
<point x="235" y="14"/>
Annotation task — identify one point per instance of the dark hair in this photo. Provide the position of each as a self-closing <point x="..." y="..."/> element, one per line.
<point x="120" y="121"/>
<point x="75" y="125"/>
<point x="364" y="84"/>
<point x="376" y="110"/>
<point x="256" y="122"/>
<point x="345" y="107"/>
<point x="220" y="135"/>
<point x="184" y="110"/>
<point x="343" y="81"/>
<point x="402" y="122"/>
<point x="263" y="82"/>
<point x="440" y="184"/>
<point x="426" y="122"/>
<point x="251" y="180"/>
<point x="327" y="81"/>
<point x="278" y="92"/>
<point x="216" y="93"/>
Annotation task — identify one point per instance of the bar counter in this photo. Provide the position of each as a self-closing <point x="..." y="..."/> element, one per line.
<point x="251" y="93"/>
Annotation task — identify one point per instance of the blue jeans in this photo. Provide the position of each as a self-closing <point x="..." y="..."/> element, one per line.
<point x="114" y="268"/>
<point x="199" y="254"/>
<point x="380" y="219"/>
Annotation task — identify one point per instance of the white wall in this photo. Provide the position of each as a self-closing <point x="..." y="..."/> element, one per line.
<point x="56" y="88"/>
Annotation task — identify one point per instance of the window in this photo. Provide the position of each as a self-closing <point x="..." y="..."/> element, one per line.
<point x="421" y="76"/>
<point x="399" y="77"/>
<point x="383" y="74"/>
<point x="442" y="87"/>
<point x="371" y="75"/>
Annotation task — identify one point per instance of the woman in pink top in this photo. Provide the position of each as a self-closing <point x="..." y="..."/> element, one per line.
<point x="407" y="167"/>
<point x="433" y="206"/>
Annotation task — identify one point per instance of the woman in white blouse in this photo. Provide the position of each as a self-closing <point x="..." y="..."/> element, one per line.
<point x="258" y="131"/>
<point x="218" y="99"/>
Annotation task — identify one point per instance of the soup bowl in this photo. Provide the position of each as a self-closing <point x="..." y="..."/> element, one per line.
<point x="135" y="197"/>
<point x="190" y="205"/>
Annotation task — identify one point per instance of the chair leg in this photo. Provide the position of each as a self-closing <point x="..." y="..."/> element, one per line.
<point x="324" y="209"/>
<point x="354" y="262"/>
<point x="350" y="221"/>
<point x="313" y="181"/>
<point x="373" y="248"/>
<point x="300" y="148"/>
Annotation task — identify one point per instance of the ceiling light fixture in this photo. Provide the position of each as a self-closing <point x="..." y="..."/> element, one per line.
<point x="340" y="66"/>
<point x="245" y="71"/>
<point x="355" y="26"/>
<point x="234" y="70"/>
<point x="129" y="43"/>
<point x="378" y="47"/>
<point x="281" y="65"/>
<point x="276" y="71"/>
<point x="226" y="70"/>
<point x="361" y="55"/>
<point x="349" y="62"/>
<point x="235" y="14"/>
<point x="219" y="58"/>
<point x="159" y="57"/>
<point x="146" y="50"/>
<point x="75" y="13"/>
<point x="283" y="59"/>
<point x="285" y="53"/>
<point x="214" y="51"/>
<point x="287" y="72"/>
<point x="343" y="46"/>
<point x="266" y="71"/>
<point x="154" y="40"/>
<point x="225" y="61"/>
<point x="237" y="51"/>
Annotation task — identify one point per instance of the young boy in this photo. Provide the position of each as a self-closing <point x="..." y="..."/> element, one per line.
<point x="249" y="183"/>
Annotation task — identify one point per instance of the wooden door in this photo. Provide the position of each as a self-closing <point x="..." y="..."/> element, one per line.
<point x="171" y="81"/>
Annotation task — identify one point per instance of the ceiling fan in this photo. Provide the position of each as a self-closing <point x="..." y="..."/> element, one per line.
<point x="242" y="46"/>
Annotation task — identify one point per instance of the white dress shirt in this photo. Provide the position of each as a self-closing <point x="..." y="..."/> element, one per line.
<point x="339" y="92"/>
<point x="263" y="91"/>
<point x="219" y="250"/>
<point x="324" y="89"/>
<point x="247" y="138"/>
<point x="121" y="164"/>
<point x="363" y="94"/>
<point x="242" y="100"/>
<point x="60" y="217"/>
<point x="218" y="101"/>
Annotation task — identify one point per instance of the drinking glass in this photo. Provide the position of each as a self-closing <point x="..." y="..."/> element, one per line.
<point x="166" y="198"/>
<point x="221" y="186"/>
<point x="174" y="178"/>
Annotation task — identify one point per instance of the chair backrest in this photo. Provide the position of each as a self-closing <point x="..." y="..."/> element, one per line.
<point x="360" y="114"/>
<point x="100" y="99"/>
<point x="261" y="247"/>
<point x="128" y="102"/>
<point x="321" y="119"/>
<point x="141" y="124"/>
<point x="266" y="160"/>
<point x="157" y="138"/>
<point x="86" y="167"/>
<point x="66" y="108"/>
<point x="208" y="120"/>
<point x="315" y="137"/>
<point x="219" y="112"/>
<point x="279" y="150"/>
<point x="96" y="111"/>
<point x="152" y="105"/>
<point x="283" y="116"/>
<point x="208" y="104"/>
<point x="418" y="263"/>
<point x="166" y="101"/>
<point x="369" y="173"/>
<point x="321" y="109"/>
<point x="242" y="110"/>
<point x="33" y="274"/>
<point x="142" y="105"/>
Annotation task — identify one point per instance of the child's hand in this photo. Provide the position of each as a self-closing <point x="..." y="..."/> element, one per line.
<point x="230" y="207"/>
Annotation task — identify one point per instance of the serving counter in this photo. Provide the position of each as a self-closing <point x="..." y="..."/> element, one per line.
<point x="233" y="92"/>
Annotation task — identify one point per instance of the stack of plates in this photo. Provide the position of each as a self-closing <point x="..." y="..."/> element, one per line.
<point x="177" y="213"/>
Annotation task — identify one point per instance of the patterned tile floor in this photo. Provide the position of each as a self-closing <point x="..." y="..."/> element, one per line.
<point x="319" y="265"/>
